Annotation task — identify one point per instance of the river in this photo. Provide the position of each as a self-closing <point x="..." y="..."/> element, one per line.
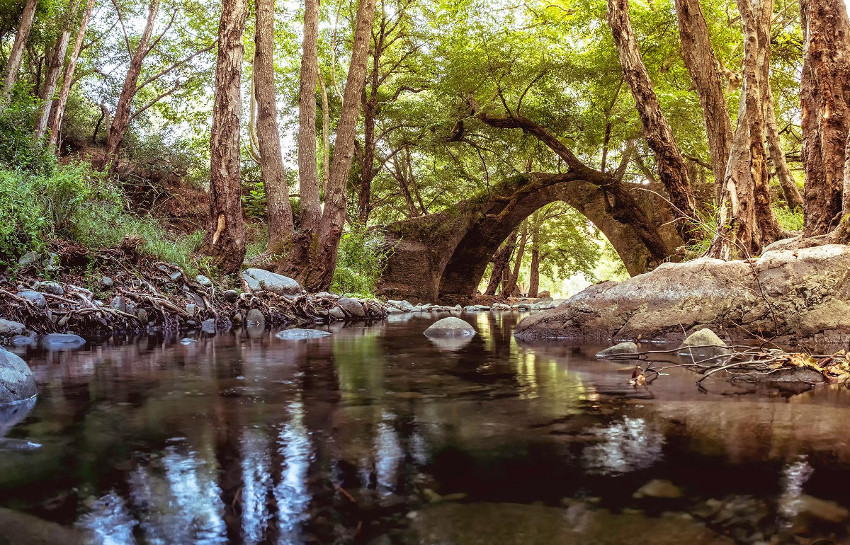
<point x="378" y="435"/>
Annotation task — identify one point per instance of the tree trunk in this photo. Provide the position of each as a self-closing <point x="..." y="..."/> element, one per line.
<point x="323" y="260"/>
<point x="225" y="238"/>
<point x="17" y="53"/>
<point x="308" y="173"/>
<point x="56" y="63"/>
<point x="68" y="78"/>
<point x="326" y="133"/>
<point x="705" y="73"/>
<point x="534" y="269"/>
<point x="121" y="118"/>
<point x="825" y="118"/>
<point x="790" y="192"/>
<point x="509" y="287"/>
<point x="656" y="130"/>
<point x="500" y="263"/>
<point x="281" y="227"/>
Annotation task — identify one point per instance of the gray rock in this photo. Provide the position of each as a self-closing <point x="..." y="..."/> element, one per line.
<point x="142" y="315"/>
<point x="301" y="334"/>
<point x="450" y="327"/>
<point x="236" y="318"/>
<point x="262" y="280"/>
<point x="208" y="326"/>
<point x="784" y="292"/>
<point x="336" y="313"/>
<point x="106" y="282"/>
<point x="22" y="340"/>
<point x="8" y="327"/>
<point x="255" y="318"/>
<point x="175" y="276"/>
<point x="34" y="297"/>
<point x="204" y="281"/>
<point x="703" y="337"/>
<point x="16" y="380"/>
<point x="659" y="488"/>
<point x="118" y="303"/>
<point x="403" y="305"/>
<point x="352" y="307"/>
<point x="29" y="259"/>
<point x="191" y="309"/>
<point x="52" y="262"/>
<point x="326" y="295"/>
<point x="230" y="296"/>
<point x="476" y="308"/>
<point x="51" y="287"/>
<point x="618" y="349"/>
<point x="500" y="306"/>
<point x="61" y="341"/>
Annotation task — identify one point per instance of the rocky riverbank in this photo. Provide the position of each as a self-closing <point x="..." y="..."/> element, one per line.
<point x="789" y="295"/>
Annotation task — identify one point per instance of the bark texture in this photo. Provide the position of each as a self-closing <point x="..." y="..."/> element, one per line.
<point x="225" y="238"/>
<point x="52" y="78"/>
<point x="510" y="286"/>
<point x="705" y="73"/>
<point x="501" y="260"/>
<point x="16" y="55"/>
<point x="308" y="173"/>
<point x="68" y="78"/>
<point x="323" y="259"/>
<point x="656" y="130"/>
<point x="121" y="117"/>
<point x="281" y="227"/>
<point x="824" y="97"/>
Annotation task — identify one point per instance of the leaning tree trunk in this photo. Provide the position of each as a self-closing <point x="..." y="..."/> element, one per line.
<point x="121" y="118"/>
<point x="308" y="173"/>
<point x="509" y="286"/>
<point x="225" y="238"/>
<point x="17" y="53"/>
<point x="656" y="130"/>
<point x="281" y="227"/>
<point x="501" y="260"/>
<point x="825" y="119"/>
<point x="68" y="78"/>
<point x="323" y="259"/>
<point x="705" y="73"/>
<point x="52" y="79"/>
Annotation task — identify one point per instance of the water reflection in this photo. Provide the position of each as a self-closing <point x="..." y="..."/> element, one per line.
<point x="625" y="445"/>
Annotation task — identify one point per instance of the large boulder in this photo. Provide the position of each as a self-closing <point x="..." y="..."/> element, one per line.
<point x="16" y="380"/>
<point x="799" y="294"/>
<point x="262" y="280"/>
<point x="352" y="307"/>
<point x="450" y="327"/>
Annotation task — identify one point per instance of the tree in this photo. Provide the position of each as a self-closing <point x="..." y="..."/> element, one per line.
<point x="17" y="52"/>
<point x="308" y="171"/>
<point x="825" y="99"/>
<point x="225" y="236"/>
<point x="56" y="63"/>
<point x="281" y="226"/>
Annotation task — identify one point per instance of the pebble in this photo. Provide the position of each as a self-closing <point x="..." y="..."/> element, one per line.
<point x="230" y="296"/>
<point x="203" y="281"/>
<point x="107" y="282"/>
<point x="51" y="287"/>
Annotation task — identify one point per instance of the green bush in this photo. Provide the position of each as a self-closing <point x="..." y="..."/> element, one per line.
<point x="24" y="221"/>
<point x="361" y="260"/>
<point x="18" y="149"/>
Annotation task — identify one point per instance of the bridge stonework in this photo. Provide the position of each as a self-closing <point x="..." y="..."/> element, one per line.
<point x="442" y="257"/>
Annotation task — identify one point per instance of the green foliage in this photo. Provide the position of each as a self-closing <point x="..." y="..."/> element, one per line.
<point x="362" y="258"/>
<point x="254" y="201"/>
<point x="789" y="220"/>
<point x="24" y="219"/>
<point x="18" y="149"/>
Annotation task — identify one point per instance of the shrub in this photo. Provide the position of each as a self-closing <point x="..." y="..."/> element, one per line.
<point x="24" y="219"/>
<point x="18" y="149"/>
<point x="361" y="260"/>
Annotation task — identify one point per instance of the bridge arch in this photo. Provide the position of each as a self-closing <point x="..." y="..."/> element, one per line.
<point x="442" y="257"/>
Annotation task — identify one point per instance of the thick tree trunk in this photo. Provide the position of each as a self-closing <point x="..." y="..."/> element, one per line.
<point x="225" y="238"/>
<point x="534" y="267"/>
<point x="790" y="192"/>
<point x="281" y="227"/>
<point x="121" y="117"/>
<point x="326" y="133"/>
<point x="509" y="287"/>
<point x="824" y="90"/>
<point x="705" y="73"/>
<point x="308" y="173"/>
<point x="52" y="79"/>
<point x="367" y="173"/>
<point x="323" y="260"/>
<point x="500" y="263"/>
<point x="68" y="78"/>
<point x="656" y="130"/>
<point x="17" y="53"/>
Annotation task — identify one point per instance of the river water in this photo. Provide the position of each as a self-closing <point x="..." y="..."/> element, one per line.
<point x="378" y="435"/>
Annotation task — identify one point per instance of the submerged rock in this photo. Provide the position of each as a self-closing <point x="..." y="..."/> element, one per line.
<point x="450" y="327"/>
<point x="659" y="488"/>
<point x="703" y="337"/>
<point x="618" y="349"/>
<point x="800" y="292"/>
<point x="61" y="341"/>
<point x="262" y="280"/>
<point x="16" y="380"/>
<point x="301" y="334"/>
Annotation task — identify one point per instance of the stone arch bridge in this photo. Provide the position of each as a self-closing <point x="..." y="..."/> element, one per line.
<point x="442" y="257"/>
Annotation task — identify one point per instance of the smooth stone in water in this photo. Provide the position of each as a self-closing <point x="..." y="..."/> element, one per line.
<point x="62" y="341"/>
<point x="259" y="280"/>
<point x="255" y="318"/>
<point x="352" y="307"/>
<point x="34" y="297"/>
<point x="301" y="334"/>
<point x="450" y="327"/>
<point x="22" y="340"/>
<point x="703" y="337"/>
<point x="8" y="327"/>
<point x="16" y="380"/>
<point x="336" y="313"/>
<point x="659" y="488"/>
<point x="617" y="349"/>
